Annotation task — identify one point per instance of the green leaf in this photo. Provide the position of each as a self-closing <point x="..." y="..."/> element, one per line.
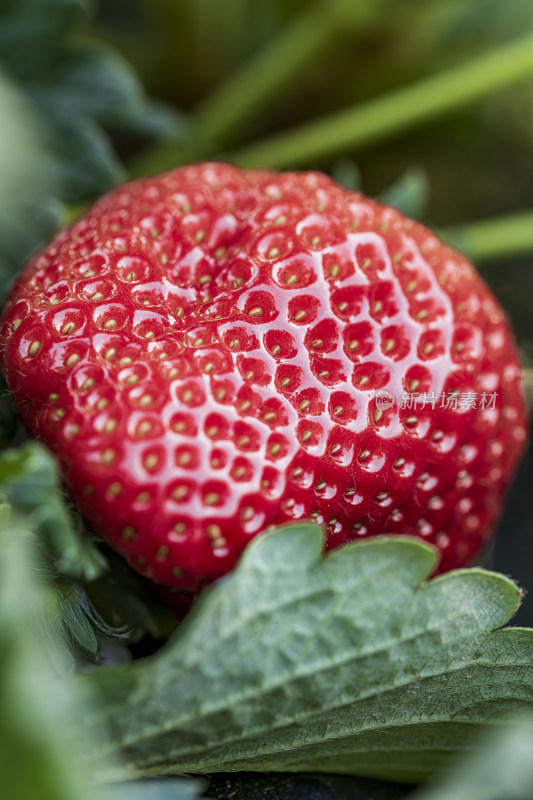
<point x="60" y="94"/>
<point x="37" y="756"/>
<point x="26" y="216"/>
<point x="128" y="602"/>
<point x="89" y="81"/>
<point x="409" y="194"/>
<point x="75" y="619"/>
<point x="29" y="484"/>
<point x="93" y="596"/>
<point x="346" y="172"/>
<point x="29" y="489"/>
<point x="501" y="770"/>
<point x="349" y="664"/>
<point x="31" y="31"/>
<point x="83" y="157"/>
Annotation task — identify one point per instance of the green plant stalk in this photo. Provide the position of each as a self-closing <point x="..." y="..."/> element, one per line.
<point x="490" y="239"/>
<point x="266" y="75"/>
<point x="397" y="111"/>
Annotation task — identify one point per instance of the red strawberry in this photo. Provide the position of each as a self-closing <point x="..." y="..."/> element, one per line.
<point x="202" y="351"/>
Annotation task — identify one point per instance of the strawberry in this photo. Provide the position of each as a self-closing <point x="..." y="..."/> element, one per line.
<point x="214" y="351"/>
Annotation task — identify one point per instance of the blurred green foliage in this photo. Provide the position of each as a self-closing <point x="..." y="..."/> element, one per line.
<point x="61" y="92"/>
<point x="79" y="579"/>
<point x="39" y="756"/>
<point x="91" y="93"/>
<point x="501" y="770"/>
<point x="29" y="487"/>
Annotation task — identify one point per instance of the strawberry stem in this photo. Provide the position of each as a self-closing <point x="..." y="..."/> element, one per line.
<point x="394" y="112"/>
<point x="490" y="239"/>
<point x="258" y="82"/>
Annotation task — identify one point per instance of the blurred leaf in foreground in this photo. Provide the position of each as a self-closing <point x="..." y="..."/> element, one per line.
<point x="348" y="663"/>
<point x="501" y="770"/>
<point x="77" y="86"/>
<point x="29" y="484"/>
<point x="29" y="490"/>
<point x="60" y="94"/>
<point x="29" y="211"/>
<point x="38" y="758"/>
<point x="91" y="597"/>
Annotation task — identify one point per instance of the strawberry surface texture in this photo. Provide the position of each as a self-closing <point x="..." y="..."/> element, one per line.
<point x="207" y="351"/>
